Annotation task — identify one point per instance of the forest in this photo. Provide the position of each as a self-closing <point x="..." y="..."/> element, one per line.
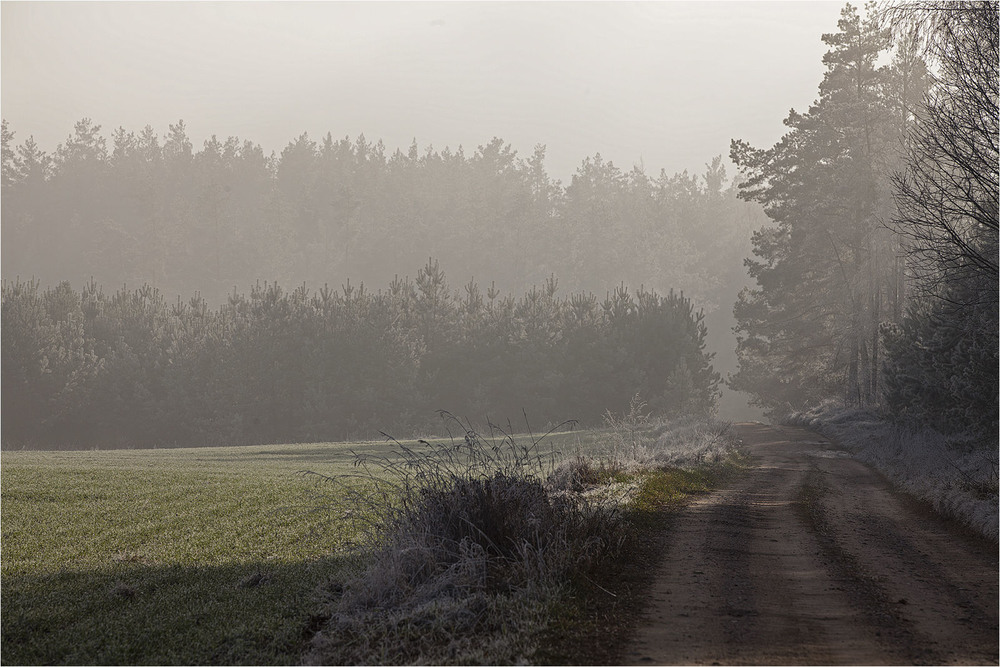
<point x="652" y="265"/>
<point x="170" y="231"/>
<point x="145" y="280"/>
<point x="876" y="276"/>
<point x="130" y="369"/>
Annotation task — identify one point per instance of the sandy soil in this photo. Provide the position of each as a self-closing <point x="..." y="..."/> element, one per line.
<point x="812" y="558"/>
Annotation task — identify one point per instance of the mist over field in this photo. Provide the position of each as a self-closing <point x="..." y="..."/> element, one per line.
<point x="182" y="156"/>
<point x="444" y="332"/>
<point x="223" y="144"/>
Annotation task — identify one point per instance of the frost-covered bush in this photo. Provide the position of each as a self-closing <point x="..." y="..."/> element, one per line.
<point x="466" y="546"/>
<point x="469" y="542"/>
<point x="690" y="441"/>
<point x="637" y="444"/>
<point x="639" y="440"/>
<point x="956" y="474"/>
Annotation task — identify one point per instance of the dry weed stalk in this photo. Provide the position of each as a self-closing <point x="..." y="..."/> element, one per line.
<point x="465" y="541"/>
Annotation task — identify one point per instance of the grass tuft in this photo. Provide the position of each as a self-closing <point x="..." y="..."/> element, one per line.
<point x="254" y="580"/>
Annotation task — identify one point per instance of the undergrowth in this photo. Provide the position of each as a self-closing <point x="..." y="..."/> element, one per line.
<point x="956" y="474"/>
<point x="472" y="544"/>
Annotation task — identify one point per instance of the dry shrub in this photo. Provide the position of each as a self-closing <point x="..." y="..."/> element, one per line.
<point x="640" y="440"/>
<point x="467" y="550"/>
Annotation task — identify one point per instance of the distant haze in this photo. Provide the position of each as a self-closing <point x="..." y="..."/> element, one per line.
<point x="664" y="84"/>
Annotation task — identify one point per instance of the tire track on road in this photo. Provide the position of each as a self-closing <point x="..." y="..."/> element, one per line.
<point x="801" y="561"/>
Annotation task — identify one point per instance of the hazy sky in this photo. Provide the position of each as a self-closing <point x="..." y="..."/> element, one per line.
<point x="665" y="83"/>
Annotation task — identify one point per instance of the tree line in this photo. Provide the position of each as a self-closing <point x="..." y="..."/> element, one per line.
<point x="874" y="270"/>
<point x="138" y="207"/>
<point x="149" y="209"/>
<point x="877" y="275"/>
<point x="130" y="368"/>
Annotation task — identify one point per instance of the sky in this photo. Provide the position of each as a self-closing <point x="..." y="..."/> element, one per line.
<point x="665" y="85"/>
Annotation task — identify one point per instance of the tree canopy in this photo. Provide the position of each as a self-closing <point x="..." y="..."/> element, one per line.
<point x="876" y="279"/>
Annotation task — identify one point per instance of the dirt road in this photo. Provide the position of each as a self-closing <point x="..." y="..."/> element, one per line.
<point x="811" y="558"/>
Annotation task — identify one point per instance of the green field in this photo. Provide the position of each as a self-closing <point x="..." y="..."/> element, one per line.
<point x="174" y="556"/>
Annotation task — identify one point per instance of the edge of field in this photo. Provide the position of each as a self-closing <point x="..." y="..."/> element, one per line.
<point x="220" y="555"/>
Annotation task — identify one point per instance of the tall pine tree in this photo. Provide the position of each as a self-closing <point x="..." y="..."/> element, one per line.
<point x="826" y="270"/>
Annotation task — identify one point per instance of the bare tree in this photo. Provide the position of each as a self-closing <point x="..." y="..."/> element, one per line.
<point x="947" y="195"/>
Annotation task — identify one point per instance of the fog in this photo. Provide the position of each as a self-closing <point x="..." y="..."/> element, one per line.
<point x="201" y="148"/>
<point x="449" y="330"/>
<point x="665" y="84"/>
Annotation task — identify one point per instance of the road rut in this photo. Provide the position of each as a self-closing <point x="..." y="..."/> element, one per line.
<point x="811" y="558"/>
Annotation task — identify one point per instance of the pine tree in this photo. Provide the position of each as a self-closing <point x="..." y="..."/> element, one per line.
<point x="824" y="270"/>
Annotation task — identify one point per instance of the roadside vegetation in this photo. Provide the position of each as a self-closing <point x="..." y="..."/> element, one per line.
<point x="956" y="473"/>
<point x="476" y="549"/>
<point x="892" y="301"/>
<point x="230" y="556"/>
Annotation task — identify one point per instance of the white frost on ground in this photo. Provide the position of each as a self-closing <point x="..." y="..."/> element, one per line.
<point x="692" y="441"/>
<point x="639" y="441"/>
<point x="957" y="476"/>
<point x="638" y="444"/>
